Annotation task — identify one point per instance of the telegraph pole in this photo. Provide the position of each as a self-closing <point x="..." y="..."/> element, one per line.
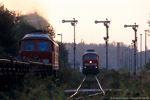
<point x="134" y="27"/>
<point x="141" y="50"/>
<point x="145" y="46"/>
<point x="106" y="24"/>
<point x="73" y="23"/>
<point x="146" y="31"/>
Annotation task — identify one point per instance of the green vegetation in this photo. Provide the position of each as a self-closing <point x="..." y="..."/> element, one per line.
<point x="63" y="56"/>
<point x="37" y="88"/>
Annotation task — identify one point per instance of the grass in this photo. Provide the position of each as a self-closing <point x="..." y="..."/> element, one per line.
<point x="37" y="88"/>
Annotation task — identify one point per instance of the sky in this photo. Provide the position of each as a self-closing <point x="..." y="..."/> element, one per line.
<point x="119" y="12"/>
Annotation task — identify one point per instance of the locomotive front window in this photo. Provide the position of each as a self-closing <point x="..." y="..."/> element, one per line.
<point x="43" y="46"/>
<point x="86" y="57"/>
<point x="94" y="57"/>
<point x="28" y="46"/>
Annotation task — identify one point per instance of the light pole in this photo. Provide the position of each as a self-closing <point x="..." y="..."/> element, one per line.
<point x="106" y="24"/>
<point x="61" y="36"/>
<point x="141" y="50"/>
<point x="134" y="27"/>
<point x="73" y="23"/>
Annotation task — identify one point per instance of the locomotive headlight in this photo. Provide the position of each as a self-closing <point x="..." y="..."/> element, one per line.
<point x="90" y="62"/>
<point x="84" y="66"/>
<point x="96" y="67"/>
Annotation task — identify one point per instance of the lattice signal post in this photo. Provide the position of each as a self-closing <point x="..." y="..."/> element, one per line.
<point x="106" y="24"/>
<point x="73" y="23"/>
<point x="134" y="27"/>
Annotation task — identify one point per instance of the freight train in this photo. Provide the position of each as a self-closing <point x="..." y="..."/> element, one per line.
<point x="90" y="62"/>
<point x="39" y="46"/>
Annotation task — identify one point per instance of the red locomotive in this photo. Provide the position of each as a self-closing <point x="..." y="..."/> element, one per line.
<point x="38" y="45"/>
<point x="90" y="62"/>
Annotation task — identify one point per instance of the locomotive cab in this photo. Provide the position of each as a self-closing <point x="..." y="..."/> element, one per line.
<point x="90" y="62"/>
<point x="38" y="46"/>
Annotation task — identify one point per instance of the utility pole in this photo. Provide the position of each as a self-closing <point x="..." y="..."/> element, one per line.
<point x="122" y="59"/>
<point x="134" y="27"/>
<point x="141" y="50"/>
<point x="73" y="23"/>
<point x="106" y="24"/>
<point x="146" y="45"/>
<point x="118" y="54"/>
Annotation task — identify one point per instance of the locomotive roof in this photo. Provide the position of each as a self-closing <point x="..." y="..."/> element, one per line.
<point x="90" y="52"/>
<point x="37" y="35"/>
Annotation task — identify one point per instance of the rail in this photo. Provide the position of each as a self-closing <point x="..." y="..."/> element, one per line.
<point x="76" y="91"/>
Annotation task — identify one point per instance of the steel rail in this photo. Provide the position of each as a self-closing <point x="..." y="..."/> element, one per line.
<point x="77" y="90"/>
<point x="100" y="85"/>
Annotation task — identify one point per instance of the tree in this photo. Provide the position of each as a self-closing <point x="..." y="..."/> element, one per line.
<point x="7" y="21"/>
<point x="63" y="56"/>
<point x="19" y="30"/>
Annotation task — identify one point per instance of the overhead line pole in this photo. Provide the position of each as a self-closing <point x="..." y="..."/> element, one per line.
<point x="106" y="24"/>
<point x="73" y="23"/>
<point x="134" y="27"/>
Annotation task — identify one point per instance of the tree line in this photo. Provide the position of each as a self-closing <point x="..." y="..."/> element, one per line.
<point x="121" y="56"/>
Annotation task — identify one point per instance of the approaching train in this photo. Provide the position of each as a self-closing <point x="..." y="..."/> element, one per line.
<point x="38" y="45"/>
<point x="90" y="62"/>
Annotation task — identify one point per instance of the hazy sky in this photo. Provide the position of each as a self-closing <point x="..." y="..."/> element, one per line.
<point x="119" y="12"/>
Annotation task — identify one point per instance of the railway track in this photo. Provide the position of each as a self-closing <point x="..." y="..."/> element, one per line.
<point x="76" y="91"/>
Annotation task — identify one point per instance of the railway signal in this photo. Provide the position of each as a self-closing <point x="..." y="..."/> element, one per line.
<point x="106" y="24"/>
<point x="134" y="27"/>
<point x="73" y="23"/>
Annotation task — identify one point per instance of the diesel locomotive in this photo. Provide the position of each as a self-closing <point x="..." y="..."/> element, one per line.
<point x="39" y="46"/>
<point x="90" y="62"/>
